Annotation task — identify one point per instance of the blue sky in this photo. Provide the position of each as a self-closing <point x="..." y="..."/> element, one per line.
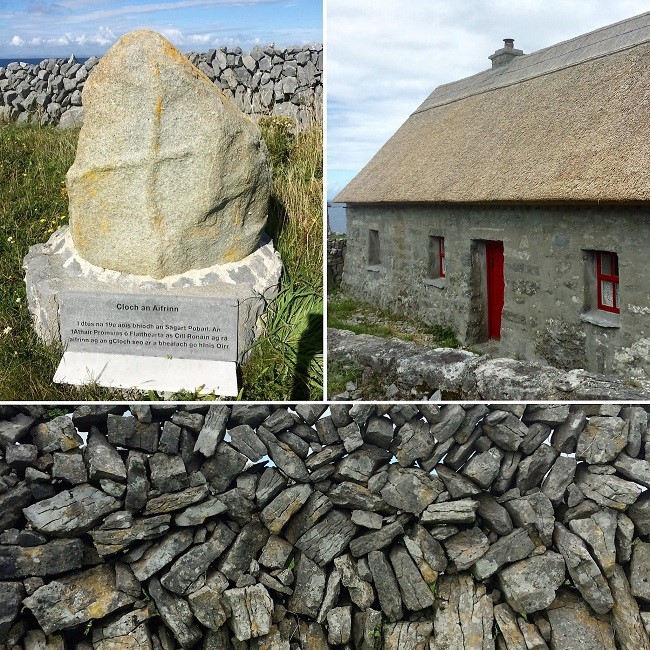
<point x="34" y="28"/>
<point x="384" y="57"/>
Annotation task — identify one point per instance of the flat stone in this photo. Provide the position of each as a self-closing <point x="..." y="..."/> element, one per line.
<point x="57" y="556"/>
<point x="375" y="540"/>
<point x="168" y="473"/>
<point x="70" y="467"/>
<point x="222" y="468"/>
<point x="639" y="513"/>
<point x="284" y="457"/>
<point x="77" y="598"/>
<point x="126" y="632"/>
<point x="449" y="421"/>
<point x="607" y="490"/>
<point x="169" y="438"/>
<point x="624" y="538"/>
<point x="176" y="500"/>
<point x="530" y="585"/>
<point x="103" y="460"/>
<point x="58" y="434"/>
<point x="533" y="512"/>
<point x="493" y="514"/>
<point x="351" y="436"/>
<point x="137" y="483"/>
<point x="199" y="513"/>
<point x="410" y="489"/>
<point x="559" y="478"/>
<point x="327" y="538"/>
<point x="505" y="430"/>
<point x="462" y="511"/>
<point x="457" y="485"/>
<point x="167" y="134"/>
<point x="133" y="434"/>
<point x="466" y="547"/>
<point x="355" y="497"/>
<point x="176" y="614"/>
<point x="602" y="439"/>
<point x="207" y="603"/>
<point x="246" y="548"/>
<point x="599" y="533"/>
<point x="367" y="519"/>
<point x="506" y="619"/>
<point x="583" y="570"/>
<point x="624" y="615"/>
<point x="245" y="440"/>
<point x="534" y="468"/>
<point x="213" y="430"/>
<point x="407" y="634"/>
<point x="316" y="507"/>
<point x="426" y="552"/>
<point x="415" y="593"/>
<point x="538" y="433"/>
<point x="310" y="412"/>
<point x="251" y="609"/>
<point x="506" y="550"/>
<point x="633" y="468"/>
<point x="12" y="502"/>
<point x="197" y="560"/>
<point x="414" y="440"/>
<point x="565" y="436"/>
<point x="284" y="506"/>
<point x="640" y="570"/>
<point x="362" y="464"/>
<point x="20" y="455"/>
<point x="109" y="539"/>
<point x="71" y="512"/>
<point x="572" y="621"/>
<point x="309" y="588"/>
<point x="386" y="585"/>
<point x="161" y="554"/>
<point x="339" y="625"/>
<point x="279" y="420"/>
<point x="483" y="468"/>
<point x="275" y="553"/>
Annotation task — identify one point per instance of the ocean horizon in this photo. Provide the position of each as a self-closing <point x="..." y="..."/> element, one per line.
<point x="35" y="61"/>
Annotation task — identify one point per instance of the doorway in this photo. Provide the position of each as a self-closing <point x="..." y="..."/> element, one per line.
<point x="495" y="287"/>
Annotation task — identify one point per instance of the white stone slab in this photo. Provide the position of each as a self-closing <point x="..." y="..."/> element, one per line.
<point x="148" y="373"/>
<point x="150" y="325"/>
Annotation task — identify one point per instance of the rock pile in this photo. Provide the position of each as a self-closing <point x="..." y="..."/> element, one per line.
<point x="468" y="527"/>
<point x="265" y="81"/>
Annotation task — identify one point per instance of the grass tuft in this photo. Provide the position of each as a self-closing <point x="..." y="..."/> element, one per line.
<point x="285" y="364"/>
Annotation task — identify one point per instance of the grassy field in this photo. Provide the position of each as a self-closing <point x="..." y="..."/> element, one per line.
<point x="285" y="364"/>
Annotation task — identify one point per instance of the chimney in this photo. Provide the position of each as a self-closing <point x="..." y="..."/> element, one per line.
<point x="504" y="55"/>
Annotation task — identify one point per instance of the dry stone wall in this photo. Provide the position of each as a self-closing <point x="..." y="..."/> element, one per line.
<point x="406" y="526"/>
<point x="265" y="81"/>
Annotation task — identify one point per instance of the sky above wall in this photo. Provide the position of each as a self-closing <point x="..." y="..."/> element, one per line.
<point x="40" y="28"/>
<point x="385" y="57"/>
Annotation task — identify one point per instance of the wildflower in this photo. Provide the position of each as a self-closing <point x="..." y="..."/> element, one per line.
<point x="19" y="299"/>
<point x="63" y="216"/>
<point x="6" y="330"/>
<point x="24" y="173"/>
<point x="10" y="240"/>
<point x="42" y="220"/>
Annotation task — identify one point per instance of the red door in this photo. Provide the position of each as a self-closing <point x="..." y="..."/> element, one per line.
<point x="495" y="285"/>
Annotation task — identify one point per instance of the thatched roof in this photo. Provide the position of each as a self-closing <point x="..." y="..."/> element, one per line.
<point x="569" y="123"/>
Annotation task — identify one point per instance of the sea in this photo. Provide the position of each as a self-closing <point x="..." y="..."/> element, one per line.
<point x="5" y="62"/>
<point x="336" y="214"/>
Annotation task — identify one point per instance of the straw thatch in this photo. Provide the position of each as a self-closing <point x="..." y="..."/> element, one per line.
<point x="570" y="123"/>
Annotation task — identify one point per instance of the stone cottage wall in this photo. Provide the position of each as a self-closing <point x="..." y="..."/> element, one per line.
<point x="265" y="81"/>
<point x="372" y="526"/>
<point x="336" y="247"/>
<point x="545" y="277"/>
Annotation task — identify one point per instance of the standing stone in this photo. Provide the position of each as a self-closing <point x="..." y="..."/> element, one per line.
<point x="168" y="170"/>
<point x="251" y="609"/>
<point x="386" y="585"/>
<point x="309" y="588"/>
<point x="176" y="614"/>
<point x="625" y="618"/>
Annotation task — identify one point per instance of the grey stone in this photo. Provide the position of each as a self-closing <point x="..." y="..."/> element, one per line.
<point x="327" y="538"/>
<point x="282" y="455"/>
<point x="640" y="570"/>
<point x="426" y="552"/>
<point x="137" y="483"/>
<point x="275" y="553"/>
<point x="623" y="538"/>
<point x="270" y="484"/>
<point x="483" y="468"/>
<point x="279" y="420"/>
<point x="59" y="434"/>
<point x="462" y="511"/>
<point x="284" y="506"/>
<point x="114" y="537"/>
<point x="362" y="464"/>
<point x="415" y="593"/>
<point x="606" y="490"/>
<point x="330" y="596"/>
<point x="633" y="468"/>
<point x="534" y="513"/>
<point x="534" y="468"/>
<point x="537" y="434"/>
<point x="70" y="468"/>
<point x="20" y="455"/>
<point x="11" y="503"/>
<point x="245" y="440"/>
<point x="639" y="513"/>
<point x="57" y="556"/>
<point x="410" y="489"/>
<point x="407" y="634"/>
<point x="413" y="441"/>
<point x="494" y="515"/>
<point x="463" y="613"/>
<point x="637" y="418"/>
<point x="559" y="478"/>
<point x="366" y="629"/>
<point x="11" y="594"/>
<point x="168" y="473"/>
<point x="175" y="500"/>
<point x="507" y="621"/>
<point x="222" y="468"/>
<point x="572" y="621"/>
<point x="133" y="434"/>
<point x="213" y="430"/>
<point x="103" y="460"/>
<point x="379" y="432"/>
<point x="565" y="437"/>
<point x="509" y="466"/>
<point x="124" y="631"/>
<point x="624" y="615"/>
<point x="506" y="550"/>
<point x="457" y="485"/>
<point x="77" y="598"/>
<point x="169" y="438"/>
<point x="602" y="440"/>
<point x="599" y="532"/>
<point x="310" y="412"/>
<point x="583" y="570"/>
<point x="246" y="547"/>
<point x="530" y="584"/>
<point x="367" y="519"/>
<point x="315" y="508"/>
<point x="209" y="123"/>
<point x="386" y="585"/>
<point x="207" y="603"/>
<point x="351" y="436"/>
<point x="309" y="588"/>
<point x="339" y="625"/>
<point x="505" y="430"/>
<point x="189" y="420"/>
<point x="361" y="592"/>
<point x="196" y="561"/>
<point x="251" y="609"/>
<point x="176" y="614"/>
<point x="161" y="554"/>
<point x="356" y="497"/>
<point x="71" y="512"/>
<point x="199" y="513"/>
<point x="466" y="547"/>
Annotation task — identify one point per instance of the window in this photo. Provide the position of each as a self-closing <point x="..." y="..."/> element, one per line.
<point x="374" y="258"/>
<point x="436" y="258"/>
<point x="607" y="282"/>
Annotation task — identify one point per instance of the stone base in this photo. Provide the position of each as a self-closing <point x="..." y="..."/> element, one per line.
<point x="55" y="266"/>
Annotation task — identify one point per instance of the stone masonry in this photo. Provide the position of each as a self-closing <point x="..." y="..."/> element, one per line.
<point x="406" y="526"/>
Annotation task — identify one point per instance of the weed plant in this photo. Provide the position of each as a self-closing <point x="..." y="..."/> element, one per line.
<point x="286" y="363"/>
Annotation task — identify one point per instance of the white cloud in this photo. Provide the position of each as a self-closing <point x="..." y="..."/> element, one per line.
<point x="17" y="41"/>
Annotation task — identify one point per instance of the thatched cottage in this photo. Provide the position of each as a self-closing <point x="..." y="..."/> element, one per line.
<point x="514" y="205"/>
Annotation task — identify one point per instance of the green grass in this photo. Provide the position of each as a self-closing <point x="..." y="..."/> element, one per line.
<point x="285" y="364"/>
<point x="359" y="317"/>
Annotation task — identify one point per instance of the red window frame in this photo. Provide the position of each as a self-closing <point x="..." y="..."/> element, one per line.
<point x="437" y="257"/>
<point x="441" y="255"/>
<point x="611" y="278"/>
